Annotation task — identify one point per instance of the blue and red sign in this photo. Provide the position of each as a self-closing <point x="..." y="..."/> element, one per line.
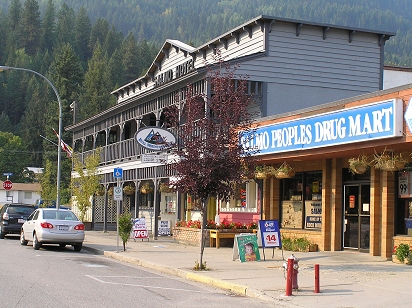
<point x="269" y="230"/>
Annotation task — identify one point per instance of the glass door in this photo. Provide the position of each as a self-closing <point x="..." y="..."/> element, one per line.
<point x="356" y="227"/>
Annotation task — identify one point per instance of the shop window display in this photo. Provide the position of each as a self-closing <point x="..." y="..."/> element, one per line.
<point x="244" y="200"/>
<point x="302" y="201"/>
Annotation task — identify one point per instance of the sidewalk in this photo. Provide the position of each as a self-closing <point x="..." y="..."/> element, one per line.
<point x="347" y="278"/>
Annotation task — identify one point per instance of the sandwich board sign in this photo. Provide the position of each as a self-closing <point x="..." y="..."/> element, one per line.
<point x="246" y="248"/>
<point x="140" y="229"/>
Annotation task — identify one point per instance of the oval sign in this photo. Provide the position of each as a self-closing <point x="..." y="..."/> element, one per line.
<point x="155" y="138"/>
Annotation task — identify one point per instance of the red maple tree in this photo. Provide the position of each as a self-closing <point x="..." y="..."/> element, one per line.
<point x="213" y="155"/>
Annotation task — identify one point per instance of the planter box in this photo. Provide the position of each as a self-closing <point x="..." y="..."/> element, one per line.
<point x="192" y="236"/>
<point x="395" y="260"/>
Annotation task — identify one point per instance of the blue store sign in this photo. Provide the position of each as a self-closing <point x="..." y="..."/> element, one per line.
<point x="365" y="123"/>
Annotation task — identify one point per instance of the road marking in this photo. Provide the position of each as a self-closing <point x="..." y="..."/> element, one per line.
<point x="144" y="286"/>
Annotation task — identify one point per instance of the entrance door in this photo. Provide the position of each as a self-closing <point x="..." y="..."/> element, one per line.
<point x="356" y="227"/>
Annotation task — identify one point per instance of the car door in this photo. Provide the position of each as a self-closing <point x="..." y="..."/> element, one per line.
<point x="29" y="225"/>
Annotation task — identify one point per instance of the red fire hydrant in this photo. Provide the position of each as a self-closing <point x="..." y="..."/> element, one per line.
<point x="292" y="268"/>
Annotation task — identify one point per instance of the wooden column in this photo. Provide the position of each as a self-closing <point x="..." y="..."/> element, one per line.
<point x="388" y="209"/>
<point x="336" y="204"/>
<point x="375" y="213"/>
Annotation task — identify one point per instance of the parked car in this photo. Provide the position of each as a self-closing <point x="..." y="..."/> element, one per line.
<point x="12" y="217"/>
<point x="52" y="226"/>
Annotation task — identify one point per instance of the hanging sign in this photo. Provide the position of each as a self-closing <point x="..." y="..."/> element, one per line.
<point x="155" y="138"/>
<point x="404" y="189"/>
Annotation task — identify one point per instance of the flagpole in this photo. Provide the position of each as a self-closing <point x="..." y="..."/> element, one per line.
<point x="5" y="68"/>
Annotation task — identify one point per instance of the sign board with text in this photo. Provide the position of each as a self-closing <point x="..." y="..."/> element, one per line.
<point x="153" y="158"/>
<point x="270" y="233"/>
<point x="117" y="193"/>
<point x="164" y="227"/>
<point x="139" y="228"/>
<point x="404" y="184"/>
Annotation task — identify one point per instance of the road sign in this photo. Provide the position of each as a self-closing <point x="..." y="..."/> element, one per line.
<point x="8" y="174"/>
<point x="153" y="158"/>
<point x="118" y="173"/>
<point x="7" y="185"/>
<point x="118" y="194"/>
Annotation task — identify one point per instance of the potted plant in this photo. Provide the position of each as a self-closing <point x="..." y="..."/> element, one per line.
<point x="270" y="171"/>
<point x="146" y="188"/>
<point x="260" y="172"/>
<point x="284" y="171"/>
<point x="389" y="161"/>
<point x="358" y="165"/>
<point x="100" y="191"/>
<point x="163" y="187"/>
<point x="110" y="191"/>
<point x="129" y="189"/>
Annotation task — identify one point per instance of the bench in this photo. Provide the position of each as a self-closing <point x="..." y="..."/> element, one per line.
<point x="216" y="235"/>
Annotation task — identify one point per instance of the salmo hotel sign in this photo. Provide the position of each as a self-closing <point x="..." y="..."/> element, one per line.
<point x="364" y="123"/>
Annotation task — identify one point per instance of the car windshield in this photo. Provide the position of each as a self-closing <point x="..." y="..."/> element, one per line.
<point x="21" y="210"/>
<point x="59" y="215"/>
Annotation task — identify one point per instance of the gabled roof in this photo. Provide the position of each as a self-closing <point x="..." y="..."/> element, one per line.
<point x="260" y="20"/>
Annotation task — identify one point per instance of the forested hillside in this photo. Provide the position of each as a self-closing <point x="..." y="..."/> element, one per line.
<point x="88" y="48"/>
<point x="199" y="21"/>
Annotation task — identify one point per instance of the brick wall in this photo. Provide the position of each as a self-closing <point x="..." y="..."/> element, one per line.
<point x="315" y="237"/>
<point x="190" y="236"/>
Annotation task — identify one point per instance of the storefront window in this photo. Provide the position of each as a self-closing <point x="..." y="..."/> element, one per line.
<point x="168" y="204"/>
<point x="302" y="201"/>
<point x="244" y="200"/>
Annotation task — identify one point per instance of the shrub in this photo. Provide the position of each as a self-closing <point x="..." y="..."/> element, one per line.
<point x="295" y="244"/>
<point x="125" y="227"/>
<point x="402" y="252"/>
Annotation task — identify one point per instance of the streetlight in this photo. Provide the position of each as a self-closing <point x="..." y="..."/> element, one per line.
<point x="5" y="68"/>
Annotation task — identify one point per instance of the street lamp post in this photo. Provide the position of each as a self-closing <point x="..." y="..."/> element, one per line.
<point x="5" y="68"/>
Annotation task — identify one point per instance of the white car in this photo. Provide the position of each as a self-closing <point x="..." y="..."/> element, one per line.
<point x="52" y="226"/>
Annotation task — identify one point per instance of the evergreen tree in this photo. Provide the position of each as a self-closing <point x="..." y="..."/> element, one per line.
<point x="130" y="54"/>
<point x="99" y="32"/>
<point x="49" y="27"/>
<point x="65" y="26"/>
<point x="32" y="125"/>
<point x="13" y="27"/>
<point x="82" y="35"/>
<point x="97" y="86"/>
<point x="113" y="41"/>
<point x="13" y="158"/>
<point x="30" y="31"/>
<point x="5" y="124"/>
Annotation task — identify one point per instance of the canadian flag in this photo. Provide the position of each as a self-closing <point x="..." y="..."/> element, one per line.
<point x="65" y="146"/>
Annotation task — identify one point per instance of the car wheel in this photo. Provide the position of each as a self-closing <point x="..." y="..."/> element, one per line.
<point x="62" y="245"/>
<point x="1" y="234"/>
<point x="36" y="244"/>
<point x="22" y="239"/>
<point x="77" y="247"/>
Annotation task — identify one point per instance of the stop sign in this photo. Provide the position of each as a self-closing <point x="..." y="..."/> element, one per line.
<point x="7" y="184"/>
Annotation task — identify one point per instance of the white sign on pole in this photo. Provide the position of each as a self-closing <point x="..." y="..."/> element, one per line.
<point x="153" y="158"/>
<point x="118" y="194"/>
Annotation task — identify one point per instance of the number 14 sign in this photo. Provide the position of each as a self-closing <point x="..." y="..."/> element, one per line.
<point x="269" y="230"/>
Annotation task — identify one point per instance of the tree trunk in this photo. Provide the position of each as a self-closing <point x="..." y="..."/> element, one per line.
<point x="202" y="230"/>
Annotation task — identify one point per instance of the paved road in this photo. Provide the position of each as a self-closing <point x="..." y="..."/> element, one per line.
<point x="60" y="277"/>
